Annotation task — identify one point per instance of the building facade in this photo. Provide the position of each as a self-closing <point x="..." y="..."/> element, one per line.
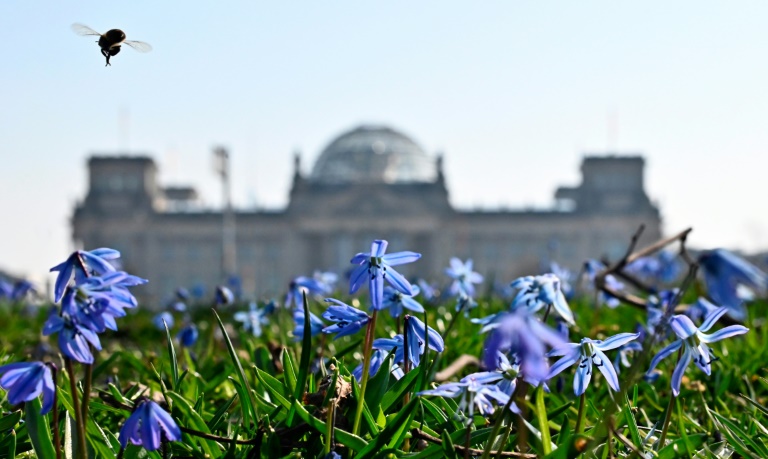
<point x="369" y="183"/>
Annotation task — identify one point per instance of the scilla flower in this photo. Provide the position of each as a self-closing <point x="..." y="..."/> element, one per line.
<point x="723" y="273"/>
<point x="148" y="426"/>
<point x="24" y="381"/>
<point x="463" y="277"/>
<point x="419" y="338"/>
<point x="537" y="292"/>
<point x="188" y="335"/>
<point x="586" y="353"/>
<point x="376" y="266"/>
<point x="348" y="320"/>
<point x="395" y="301"/>
<point x="694" y="342"/>
<point x="315" y="324"/>
<point x="83" y="264"/>
<point x="475" y="392"/>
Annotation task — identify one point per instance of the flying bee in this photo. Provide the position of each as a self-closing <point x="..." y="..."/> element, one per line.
<point x="111" y="41"/>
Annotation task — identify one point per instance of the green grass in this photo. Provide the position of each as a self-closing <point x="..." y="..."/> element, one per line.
<point x="251" y="393"/>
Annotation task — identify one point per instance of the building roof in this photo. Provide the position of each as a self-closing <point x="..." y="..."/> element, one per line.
<point x="373" y="154"/>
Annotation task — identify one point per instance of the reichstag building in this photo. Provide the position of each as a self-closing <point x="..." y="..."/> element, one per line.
<point x="369" y="183"/>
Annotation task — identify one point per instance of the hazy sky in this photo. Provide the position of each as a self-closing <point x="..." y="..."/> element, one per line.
<point x="513" y="92"/>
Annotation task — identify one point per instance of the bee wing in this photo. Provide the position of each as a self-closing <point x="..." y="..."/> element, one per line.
<point x="81" y="29"/>
<point x="139" y="46"/>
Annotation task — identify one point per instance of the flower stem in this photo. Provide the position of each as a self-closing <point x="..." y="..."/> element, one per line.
<point x="366" y="369"/>
<point x="406" y="369"/>
<point x="495" y="430"/>
<point x="668" y="414"/>
<point x="582" y="413"/>
<point x="56" y="439"/>
<point x="467" y="440"/>
<point x="87" y="386"/>
<point x="79" y="421"/>
<point x="522" y="432"/>
<point x="329" y="422"/>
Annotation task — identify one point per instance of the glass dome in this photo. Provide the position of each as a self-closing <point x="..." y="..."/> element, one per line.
<point x="373" y="154"/>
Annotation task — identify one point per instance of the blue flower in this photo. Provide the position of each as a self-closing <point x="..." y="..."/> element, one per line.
<point x="162" y="319"/>
<point x="536" y="292"/>
<point x="505" y="376"/>
<point x="428" y="291"/>
<point x="83" y="264"/>
<point x="24" y="381"/>
<point x="224" y="296"/>
<point x="694" y="342"/>
<point x="315" y="324"/>
<point x="74" y="336"/>
<point x="308" y="285"/>
<point x="659" y="309"/>
<point x="395" y="301"/>
<point x="348" y="320"/>
<point x="376" y="266"/>
<point x="591" y="269"/>
<point x="463" y="277"/>
<point x="419" y="337"/>
<point x="586" y="353"/>
<point x="475" y="392"/>
<point x="624" y="352"/>
<point x="377" y="358"/>
<point x="723" y="273"/>
<point x="148" y="426"/>
<point x="566" y="276"/>
<point x="387" y="344"/>
<point x="661" y="269"/>
<point x="700" y="309"/>
<point x="187" y="336"/>
<point x="254" y="318"/>
<point x="523" y="335"/>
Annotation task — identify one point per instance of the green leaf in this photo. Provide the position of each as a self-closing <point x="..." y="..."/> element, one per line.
<point x="38" y="429"/>
<point x="172" y="356"/>
<point x="274" y="387"/>
<point x="306" y="352"/>
<point x="192" y="419"/>
<point x="738" y="438"/>
<point x="247" y="402"/>
<point x="393" y="433"/>
<point x="289" y="371"/>
<point x="399" y="389"/>
<point x="676" y="448"/>
<point x="9" y="422"/>
<point x="449" y="450"/>
<point x="629" y="418"/>
<point x="541" y="414"/>
<point x="349" y="440"/>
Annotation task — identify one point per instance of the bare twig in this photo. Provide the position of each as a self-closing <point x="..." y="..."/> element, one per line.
<point x="461" y="449"/>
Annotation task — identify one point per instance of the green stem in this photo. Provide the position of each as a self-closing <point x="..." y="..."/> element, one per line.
<point x="495" y="431"/>
<point x="668" y="414"/>
<point x="541" y="413"/>
<point x="522" y="432"/>
<point x="79" y="421"/>
<point x="406" y="369"/>
<point x="582" y="413"/>
<point x="56" y="439"/>
<point x="467" y="439"/>
<point x="87" y="386"/>
<point x="329" y="426"/>
<point x="366" y="369"/>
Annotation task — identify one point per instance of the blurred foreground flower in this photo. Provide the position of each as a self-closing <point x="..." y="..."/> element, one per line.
<point x="149" y="426"/>
<point x="723" y="273"/>
<point x="24" y="381"/>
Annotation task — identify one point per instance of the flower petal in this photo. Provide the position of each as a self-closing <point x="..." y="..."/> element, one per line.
<point x="711" y="318"/>
<point x="582" y="377"/>
<point x="379" y="248"/>
<point x="398" y="281"/>
<point x="400" y="258"/>
<point x="562" y="364"/>
<point x="677" y="375"/>
<point x="606" y="368"/>
<point x="683" y="326"/>
<point x="357" y="278"/>
<point x="664" y="353"/>
<point x="616" y="341"/>
<point x="727" y="332"/>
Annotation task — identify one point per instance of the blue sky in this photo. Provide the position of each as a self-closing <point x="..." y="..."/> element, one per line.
<point x="514" y="93"/>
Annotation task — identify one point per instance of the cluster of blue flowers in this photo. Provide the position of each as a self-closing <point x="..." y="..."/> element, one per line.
<point x="92" y="294"/>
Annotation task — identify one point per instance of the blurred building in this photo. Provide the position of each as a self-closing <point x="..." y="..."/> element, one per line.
<point x="368" y="183"/>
